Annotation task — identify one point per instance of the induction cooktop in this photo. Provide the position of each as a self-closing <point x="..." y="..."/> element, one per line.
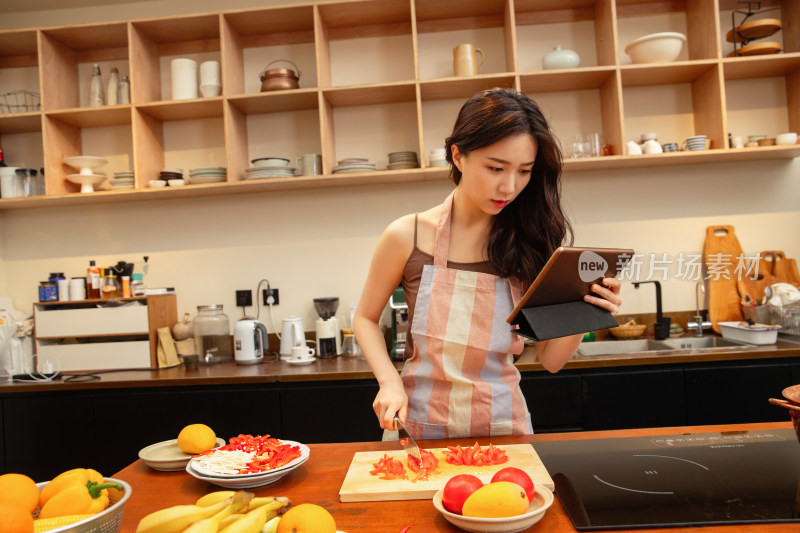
<point x="677" y="480"/>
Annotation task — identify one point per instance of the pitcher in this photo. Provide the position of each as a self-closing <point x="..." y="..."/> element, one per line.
<point x="465" y="60"/>
<point x="292" y="334"/>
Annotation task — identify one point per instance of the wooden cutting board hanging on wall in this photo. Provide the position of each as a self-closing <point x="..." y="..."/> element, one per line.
<point x="721" y="254"/>
<point x="784" y="270"/>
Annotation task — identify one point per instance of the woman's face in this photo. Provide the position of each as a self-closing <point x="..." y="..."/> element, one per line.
<point x="494" y="175"/>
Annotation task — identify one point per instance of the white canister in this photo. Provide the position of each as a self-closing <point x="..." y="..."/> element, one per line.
<point x="184" y="79"/>
<point x="210" y="83"/>
<point x="8" y="182"/>
<point x="77" y="289"/>
<point x="63" y="290"/>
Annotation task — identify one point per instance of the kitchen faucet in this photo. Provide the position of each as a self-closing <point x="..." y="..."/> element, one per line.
<point x="661" y="326"/>
<point x="698" y="325"/>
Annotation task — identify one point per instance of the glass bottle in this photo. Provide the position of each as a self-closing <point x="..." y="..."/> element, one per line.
<point x="124" y="91"/>
<point x="349" y="343"/>
<point x="96" y="92"/>
<point x="93" y="280"/>
<point x="109" y="288"/>
<point x="113" y="87"/>
<point x="137" y="285"/>
<point x="212" y="335"/>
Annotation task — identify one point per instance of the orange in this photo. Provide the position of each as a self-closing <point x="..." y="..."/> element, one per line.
<point x="14" y="519"/>
<point x="307" y="518"/>
<point x="20" y="491"/>
<point x="196" y="438"/>
<point x="500" y="499"/>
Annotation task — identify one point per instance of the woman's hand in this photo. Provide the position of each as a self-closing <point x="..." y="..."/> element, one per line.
<point x="606" y="296"/>
<point x="391" y="400"/>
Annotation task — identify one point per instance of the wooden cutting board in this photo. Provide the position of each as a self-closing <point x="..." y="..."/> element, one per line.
<point x="784" y="270"/>
<point x="722" y="248"/>
<point x="360" y="486"/>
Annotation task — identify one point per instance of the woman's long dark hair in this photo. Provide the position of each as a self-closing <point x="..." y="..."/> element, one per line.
<point x="527" y="231"/>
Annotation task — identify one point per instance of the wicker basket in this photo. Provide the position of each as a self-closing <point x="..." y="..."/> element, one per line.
<point x="628" y="331"/>
<point x="108" y="521"/>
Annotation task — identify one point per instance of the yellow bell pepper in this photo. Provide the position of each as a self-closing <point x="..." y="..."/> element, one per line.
<point x="76" y="476"/>
<point x="88" y="498"/>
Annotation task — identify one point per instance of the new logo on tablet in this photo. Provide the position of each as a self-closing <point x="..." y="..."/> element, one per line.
<point x="591" y="266"/>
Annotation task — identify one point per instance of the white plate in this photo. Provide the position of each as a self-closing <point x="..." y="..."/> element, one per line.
<point x="245" y="483"/>
<point x="305" y="452"/>
<point x="85" y="161"/>
<point x="542" y="501"/>
<point x="166" y="456"/>
<point x="205" y="179"/>
<point x="301" y="362"/>
<point x="347" y="170"/>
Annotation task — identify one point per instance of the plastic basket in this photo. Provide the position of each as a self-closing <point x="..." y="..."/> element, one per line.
<point x="108" y="521"/>
<point x="19" y="101"/>
<point x="786" y="316"/>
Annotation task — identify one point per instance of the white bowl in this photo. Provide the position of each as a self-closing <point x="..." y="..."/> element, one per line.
<point x="176" y="182"/>
<point x="155" y="184"/>
<point x="166" y="456"/>
<point x="786" y="138"/>
<point x="663" y="47"/>
<point x="752" y="335"/>
<point x="270" y="162"/>
<point x="542" y="501"/>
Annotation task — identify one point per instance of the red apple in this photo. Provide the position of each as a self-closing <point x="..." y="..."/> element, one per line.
<point x="518" y="476"/>
<point x="457" y="489"/>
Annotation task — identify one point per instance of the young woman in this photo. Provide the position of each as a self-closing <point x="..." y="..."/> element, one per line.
<point x="463" y="265"/>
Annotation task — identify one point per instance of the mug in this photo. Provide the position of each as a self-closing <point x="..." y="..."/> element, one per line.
<point x="695" y="144"/>
<point x="310" y="164"/>
<point x="738" y="142"/>
<point x="465" y="60"/>
<point x="303" y="352"/>
<point x="633" y="148"/>
<point x="184" y="79"/>
<point x="670" y="147"/>
<point x="651" y="146"/>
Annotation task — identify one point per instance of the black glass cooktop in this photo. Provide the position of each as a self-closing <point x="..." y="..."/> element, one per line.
<point x="677" y="480"/>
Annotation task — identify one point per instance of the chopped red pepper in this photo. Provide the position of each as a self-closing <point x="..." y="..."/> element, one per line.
<point x="389" y="468"/>
<point x="269" y="453"/>
<point x="475" y="455"/>
<point x="429" y="462"/>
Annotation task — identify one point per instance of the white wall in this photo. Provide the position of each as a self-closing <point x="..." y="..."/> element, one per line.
<point x="319" y="242"/>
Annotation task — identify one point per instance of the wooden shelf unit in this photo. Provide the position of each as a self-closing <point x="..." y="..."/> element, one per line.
<point x="59" y="54"/>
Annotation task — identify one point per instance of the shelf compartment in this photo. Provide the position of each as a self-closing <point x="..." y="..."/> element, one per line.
<point x="274" y="101"/>
<point x="698" y="20"/>
<point x="370" y="95"/>
<point x="252" y="39"/>
<point x="364" y="19"/>
<point x="585" y="26"/>
<point x="95" y="116"/>
<point x="20" y="122"/>
<point x="18" y="49"/>
<point x="661" y="74"/>
<point x="774" y="111"/>
<point x="184" y="109"/>
<point x="566" y="80"/>
<point x="788" y="36"/>
<point x="447" y="88"/>
<point x="740" y="68"/>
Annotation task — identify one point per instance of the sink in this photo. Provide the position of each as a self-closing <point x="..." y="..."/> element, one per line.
<point x="666" y="345"/>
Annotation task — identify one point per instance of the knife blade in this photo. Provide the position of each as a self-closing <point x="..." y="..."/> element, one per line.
<point x="407" y="442"/>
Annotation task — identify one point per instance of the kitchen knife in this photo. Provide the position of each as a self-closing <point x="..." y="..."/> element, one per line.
<point x="407" y="442"/>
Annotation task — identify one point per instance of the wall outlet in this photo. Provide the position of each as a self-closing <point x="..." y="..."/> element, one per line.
<point x="244" y="298"/>
<point x="267" y="293"/>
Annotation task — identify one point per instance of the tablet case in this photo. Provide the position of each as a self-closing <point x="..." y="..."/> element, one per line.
<point x="550" y="321"/>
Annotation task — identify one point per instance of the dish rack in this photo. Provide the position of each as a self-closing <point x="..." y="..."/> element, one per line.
<point x="19" y="101"/>
<point x="786" y="316"/>
<point x="108" y="521"/>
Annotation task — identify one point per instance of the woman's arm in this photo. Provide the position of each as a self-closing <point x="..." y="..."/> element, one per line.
<point x="385" y="274"/>
<point x="555" y="353"/>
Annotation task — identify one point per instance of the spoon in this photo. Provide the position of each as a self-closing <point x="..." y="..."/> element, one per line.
<point x="784" y="403"/>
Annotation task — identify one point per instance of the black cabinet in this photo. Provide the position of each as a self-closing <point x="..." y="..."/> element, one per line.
<point x="554" y="401"/>
<point x="736" y="393"/>
<point x="49" y="433"/>
<point x="330" y="411"/>
<point x="132" y="420"/>
<point x="2" y="439"/>
<point x="632" y="399"/>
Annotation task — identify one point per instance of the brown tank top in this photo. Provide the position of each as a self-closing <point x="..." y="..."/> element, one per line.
<point x="412" y="275"/>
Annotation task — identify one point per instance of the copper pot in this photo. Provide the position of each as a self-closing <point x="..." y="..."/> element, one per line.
<point x="280" y="79"/>
<point x="792" y="403"/>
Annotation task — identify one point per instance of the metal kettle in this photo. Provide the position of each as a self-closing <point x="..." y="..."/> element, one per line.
<point x="249" y="341"/>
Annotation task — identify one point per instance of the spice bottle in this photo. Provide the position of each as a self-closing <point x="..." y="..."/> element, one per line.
<point x="93" y="281"/>
<point x="137" y="285"/>
<point x="126" y="286"/>
<point x="55" y="278"/>
<point x="109" y="287"/>
<point x="96" y="92"/>
<point x="113" y="87"/>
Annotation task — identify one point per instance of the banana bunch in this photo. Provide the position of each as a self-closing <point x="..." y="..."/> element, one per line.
<point x="222" y="511"/>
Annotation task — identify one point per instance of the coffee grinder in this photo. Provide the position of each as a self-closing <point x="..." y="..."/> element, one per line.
<point x="329" y="343"/>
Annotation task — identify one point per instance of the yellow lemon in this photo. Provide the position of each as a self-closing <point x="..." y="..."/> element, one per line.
<point x="496" y="500"/>
<point x="307" y="518"/>
<point x="196" y="438"/>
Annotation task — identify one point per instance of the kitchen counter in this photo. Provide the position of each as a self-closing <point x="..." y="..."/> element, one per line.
<point x="319" y="479"/>
<point x="342" y="368"/>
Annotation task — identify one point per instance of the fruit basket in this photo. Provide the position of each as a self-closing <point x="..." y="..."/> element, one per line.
<point x="19" y="102"/>
<point x="629" y="330"/>
<point x="108" y="521"/>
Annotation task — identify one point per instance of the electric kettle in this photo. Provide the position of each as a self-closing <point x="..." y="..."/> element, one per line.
<point x="249" y="341"/>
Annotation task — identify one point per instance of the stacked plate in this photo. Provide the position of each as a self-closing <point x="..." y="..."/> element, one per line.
<point x="196" y="469"/>
<point x="354" y="164"/>
<point x="207" y="175"/>
<point x="403" y="160"/>
<point x="272" y="171"/>
<point x="122" y="180"/>
<point x="167" y="174"/>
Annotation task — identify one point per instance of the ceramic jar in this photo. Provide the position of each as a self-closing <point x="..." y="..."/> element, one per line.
<point x="561" y="58"/>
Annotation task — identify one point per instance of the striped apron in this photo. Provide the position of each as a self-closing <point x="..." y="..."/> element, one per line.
<point x="461" y="380"/>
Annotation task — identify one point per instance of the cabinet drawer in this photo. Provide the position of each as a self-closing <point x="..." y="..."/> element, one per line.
<point x="94" y="321"/>
<point x="97" y="355"/>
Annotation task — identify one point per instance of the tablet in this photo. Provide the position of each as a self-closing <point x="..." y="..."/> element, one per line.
<point x="569" y="274"/>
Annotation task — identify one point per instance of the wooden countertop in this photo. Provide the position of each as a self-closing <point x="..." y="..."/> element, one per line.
<point x="319" y="479"/>
<point x="342" y="368"/>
